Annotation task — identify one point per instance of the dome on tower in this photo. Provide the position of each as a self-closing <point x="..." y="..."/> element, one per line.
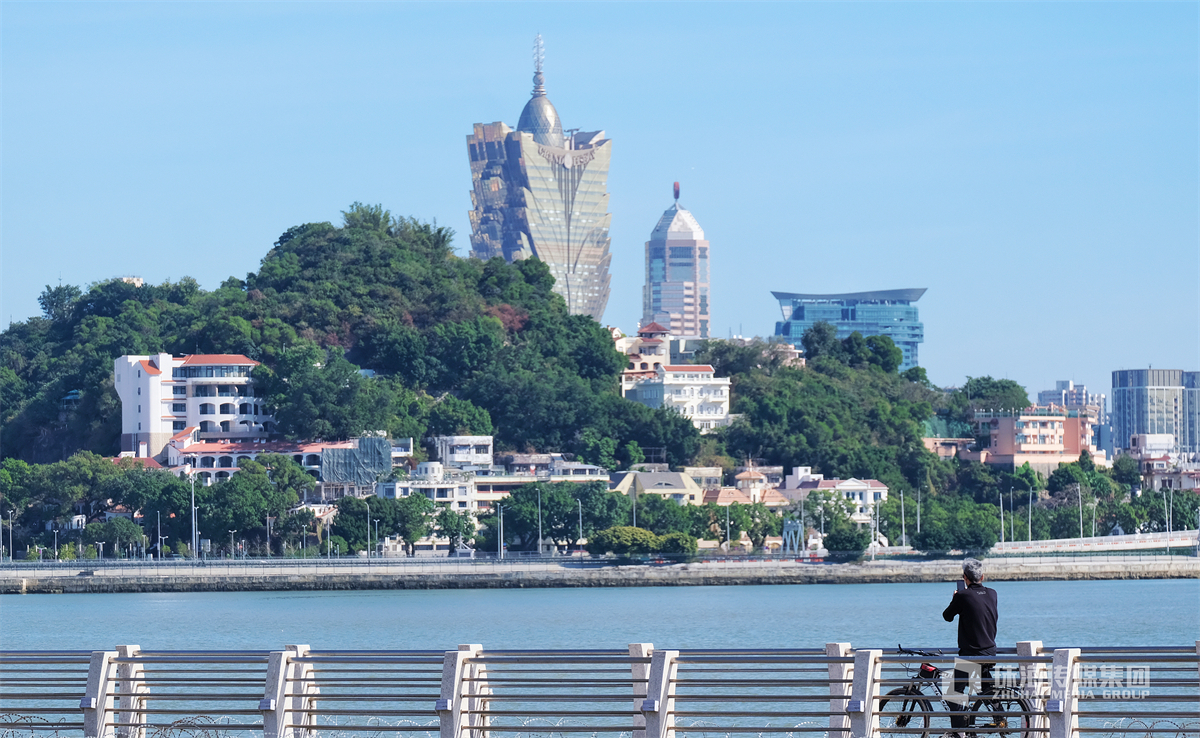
<point x="541" y="119"/>
<point x="539" y="116"/>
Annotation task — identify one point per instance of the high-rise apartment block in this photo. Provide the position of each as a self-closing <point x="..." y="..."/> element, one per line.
<point x="164" y="395"/>
<point x="1068" y="394"/>
<point x="676" y="294"/>
<point x="888" y="313"/>
<point x="540" y="191"/>
<point x="1156" y="401"/>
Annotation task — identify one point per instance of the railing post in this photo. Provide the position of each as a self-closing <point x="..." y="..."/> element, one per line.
<point x="97" y="702"/>
<point x="130" y="685"/>
<point x="450" y="705"/>
<point x="659" y="704"/>
<point x="1060" y="706"/>
<point x="863" y="707"/>
<point x="273" y="702"/>
<point x="1198" y="660"/>
<point x="475" y="693"/>
<point x="840" y="675"/>
<point x="1034" y="686"/>
<point x="289" y="694"/>
<point x="641" y="675"/>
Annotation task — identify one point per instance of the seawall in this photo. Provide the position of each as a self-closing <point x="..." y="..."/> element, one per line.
<point x="504" y="576"/>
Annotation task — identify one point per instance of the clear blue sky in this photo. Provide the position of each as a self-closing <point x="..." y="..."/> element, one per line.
<point x="1035" y="165"/>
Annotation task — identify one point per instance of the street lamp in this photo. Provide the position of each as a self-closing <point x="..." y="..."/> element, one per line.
<point x="500" y="532"/>
<point x="579" y="543"/>
<point x="1029" y="488"/>
<point x="101" y="550"/>
<point x="903" y="528"/>
<point x="539" y="493"/>
<point x="231" y="542"/>
<point x="56" y="544"/>
<point x="192" y="474"/>
<point x="368" y="529"/>
<point x="377" y="534"/>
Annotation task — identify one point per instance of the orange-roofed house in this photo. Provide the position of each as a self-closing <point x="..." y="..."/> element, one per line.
<point x="692" y="390"/>
<point x="164" y="395"/>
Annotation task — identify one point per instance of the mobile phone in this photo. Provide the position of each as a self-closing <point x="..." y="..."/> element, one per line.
<point x="961" y="585"/>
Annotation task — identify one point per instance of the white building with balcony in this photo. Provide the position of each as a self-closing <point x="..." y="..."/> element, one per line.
<point x="162" y="395"/>
<point x="692" y="390"/>
<point x="441" y="485"/>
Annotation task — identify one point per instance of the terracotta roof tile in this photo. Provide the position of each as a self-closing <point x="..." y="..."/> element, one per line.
<point x="201" y="359"/>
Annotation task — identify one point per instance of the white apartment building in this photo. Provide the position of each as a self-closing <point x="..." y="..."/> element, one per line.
<point x="692" y="390"/>
<point x="432" y="479"/>
<point x="862" y="494"/>
<point x="162" y="395"/>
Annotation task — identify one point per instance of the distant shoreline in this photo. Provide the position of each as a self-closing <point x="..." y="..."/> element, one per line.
<point x="474" y="575"/>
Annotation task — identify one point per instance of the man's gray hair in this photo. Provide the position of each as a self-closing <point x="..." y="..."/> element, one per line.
<point x="973" y="570"/>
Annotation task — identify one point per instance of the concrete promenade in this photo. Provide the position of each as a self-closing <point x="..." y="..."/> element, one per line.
<point x="267" y="575"/>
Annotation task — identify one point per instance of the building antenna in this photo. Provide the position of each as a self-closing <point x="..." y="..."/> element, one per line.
<point x="539" y="61"/>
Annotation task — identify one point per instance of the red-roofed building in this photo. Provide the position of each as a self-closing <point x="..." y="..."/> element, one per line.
<point x="208" y="397"/>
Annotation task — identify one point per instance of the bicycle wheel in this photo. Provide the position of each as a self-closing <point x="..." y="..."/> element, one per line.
<point x="1000" y="715"/>
<point x="896" y="718"/>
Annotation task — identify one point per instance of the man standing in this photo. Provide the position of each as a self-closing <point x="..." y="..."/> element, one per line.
<point x="975" y="606"/>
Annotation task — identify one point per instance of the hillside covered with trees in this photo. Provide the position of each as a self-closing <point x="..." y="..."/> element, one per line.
<point x="458" y="345"/>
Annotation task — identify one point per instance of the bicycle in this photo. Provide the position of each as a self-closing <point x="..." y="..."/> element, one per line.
<point x="907" y="710"/>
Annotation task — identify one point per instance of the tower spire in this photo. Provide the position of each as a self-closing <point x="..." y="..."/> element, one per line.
<point x="539" y="58"/>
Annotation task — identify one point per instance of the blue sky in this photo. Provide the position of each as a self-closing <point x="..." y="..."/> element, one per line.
<point x="1035" y="165"/>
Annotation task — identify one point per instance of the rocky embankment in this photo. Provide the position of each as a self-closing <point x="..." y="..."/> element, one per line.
<point x="222" y="578"/>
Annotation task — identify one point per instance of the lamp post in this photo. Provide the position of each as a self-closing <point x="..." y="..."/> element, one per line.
<point x="368" y="529"/>
<point x="101" y="550"/>
<point x="918" y="511"/>
<point x="579" y="543"/>
<point x="1080" y="492"/>
<point x="231" y="542"/>
<point x="728" y="537"/>
<point x="1029" y="487"/>
<point x="539" y="493"/>
<point x="195" y="543"/>
<point x="1002" y="516"/>
<point x="56" y="544"/>
<point x="903" y="526"/>
<point x="500" y="532"/>
<point x="377" y="534"/>
<point x="11" y="541"/>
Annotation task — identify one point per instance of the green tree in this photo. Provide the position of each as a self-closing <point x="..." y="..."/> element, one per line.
<point x="451" y="416"/>
<point x="622" y="541"/>
<point x="414" y="519"/>
<point x="459" y="527"/>
<point x="57" y="302"/>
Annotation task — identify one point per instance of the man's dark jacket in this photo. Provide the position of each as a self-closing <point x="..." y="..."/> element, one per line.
<point x="975" y="607"/>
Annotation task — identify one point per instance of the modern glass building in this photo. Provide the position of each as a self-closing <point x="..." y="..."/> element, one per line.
<point x="540" y="191"/>
<point x="676" y="291"/>
<point x="1156" y="401"/>
<point x="888" y="313"/>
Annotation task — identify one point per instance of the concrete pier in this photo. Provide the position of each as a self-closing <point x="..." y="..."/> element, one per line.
<point x="274" y="576"/>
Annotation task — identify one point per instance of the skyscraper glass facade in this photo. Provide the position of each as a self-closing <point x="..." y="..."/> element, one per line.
<point x="541" y="192"/>
<point x="1157" y="401"/>
<point x="888" y="313"/>
<point x="676" y="293"/>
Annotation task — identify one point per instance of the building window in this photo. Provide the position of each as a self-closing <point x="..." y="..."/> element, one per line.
<point x="178" y="425"/>
<point x="224" y="426"/>
<point x="244" y="409"/>
<point x="179" y="407"/>
<point x="227" y="408"/>
<point x="208" y="409"/>
<point x="206" y="426"/>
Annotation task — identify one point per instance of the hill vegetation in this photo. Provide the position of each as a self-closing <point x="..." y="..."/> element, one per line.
<point x="461" y="345"/>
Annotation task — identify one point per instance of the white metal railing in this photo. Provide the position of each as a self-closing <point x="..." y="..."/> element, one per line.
<point x="642" y="692"/>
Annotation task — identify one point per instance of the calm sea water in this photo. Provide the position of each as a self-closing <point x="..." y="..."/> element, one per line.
<point x="1089" y="613"/>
